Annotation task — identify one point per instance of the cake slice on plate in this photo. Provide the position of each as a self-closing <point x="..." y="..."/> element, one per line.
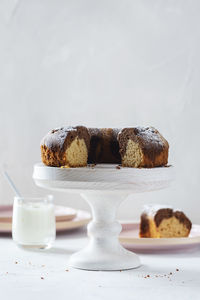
<point x="163" y="222"/>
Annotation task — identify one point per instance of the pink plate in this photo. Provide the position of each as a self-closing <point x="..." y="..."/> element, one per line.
<point x="129" y="237"/>
<point x="66" y="218"/>
<point x="62" y="213"/>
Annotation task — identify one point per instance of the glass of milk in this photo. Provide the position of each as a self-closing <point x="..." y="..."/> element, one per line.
<point x="33" y="224"/>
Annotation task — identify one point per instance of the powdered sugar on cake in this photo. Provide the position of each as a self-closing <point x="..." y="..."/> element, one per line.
<point x="56" y="137"/>
<point x="151" y="209"/>
<point x="150" y="134"/>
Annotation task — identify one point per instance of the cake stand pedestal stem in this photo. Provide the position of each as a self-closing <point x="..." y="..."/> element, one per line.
<point x="104" y="251"/>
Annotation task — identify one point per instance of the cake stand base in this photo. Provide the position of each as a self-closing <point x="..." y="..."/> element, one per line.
<point x="104" y="251"/>
<point x="93" y="259"/>
<point x="104" y="187"/>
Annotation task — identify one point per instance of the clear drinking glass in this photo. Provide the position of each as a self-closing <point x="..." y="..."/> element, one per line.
<point x="33" y="224"/>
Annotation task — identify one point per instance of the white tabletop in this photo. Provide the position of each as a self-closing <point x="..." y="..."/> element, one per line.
<point x="46" y="275"/>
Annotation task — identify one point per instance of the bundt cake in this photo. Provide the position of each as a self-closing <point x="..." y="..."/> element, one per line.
<point x="163" y="222"/>
<point x="132" y="147"/>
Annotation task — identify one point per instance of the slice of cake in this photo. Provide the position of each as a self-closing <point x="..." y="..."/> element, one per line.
<point x="66" y="146"/>
<point x="163" y="222"/>
<point x="142" y="147"/>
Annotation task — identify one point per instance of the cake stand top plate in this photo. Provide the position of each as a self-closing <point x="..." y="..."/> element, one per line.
<point x="102" y="177"/>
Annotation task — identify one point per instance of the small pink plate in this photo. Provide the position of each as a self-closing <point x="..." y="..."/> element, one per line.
<point x="62" y="213"/>
<point x="6" y="213"/>
<point x="82" y="218"/>
<point x="129" y="237"/>
<point x="66" y="218"/>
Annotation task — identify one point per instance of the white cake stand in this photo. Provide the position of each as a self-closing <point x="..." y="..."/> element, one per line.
<point x="104" y="187"/>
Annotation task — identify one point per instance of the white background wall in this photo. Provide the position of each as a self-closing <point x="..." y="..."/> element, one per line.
<point x="102" y="63"/>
